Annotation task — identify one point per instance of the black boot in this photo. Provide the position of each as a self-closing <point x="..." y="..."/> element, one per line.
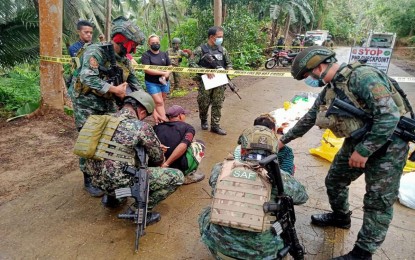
<point x="332" y="219"/>
<point x="204" y="125"/>
<point x="93" y="191"/>
<point x="109" y="201"/>
<point x="218" y="130"/>
<point x="356" y="254"/>
<point x="152" y="218"/>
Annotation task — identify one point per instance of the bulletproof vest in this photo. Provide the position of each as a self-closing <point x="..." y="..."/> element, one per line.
<point x="241" y="191"/>
<point x="94" y="140"/>
<point x="217" y="54"/>
<point x="343" y="126"/>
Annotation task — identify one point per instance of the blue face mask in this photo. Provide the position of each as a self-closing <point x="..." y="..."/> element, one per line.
<point x="312" y="82"/>
<point x="218" y="41"/>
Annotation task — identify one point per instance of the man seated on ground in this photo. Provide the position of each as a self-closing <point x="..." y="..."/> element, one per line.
<point x="285" y="154"/>
<point x="242" y="186"/>
<point x="182" y="152"/>
<point x="129" y="132"/>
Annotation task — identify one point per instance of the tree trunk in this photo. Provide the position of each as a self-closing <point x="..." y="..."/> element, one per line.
<point x="108" y="21"/>
<point x="217" y="7"/>
<point x="166" y="16"/>
<point x="273" y="32"/>
<point x="287" y="26"/>
<point x="50" y="23"/>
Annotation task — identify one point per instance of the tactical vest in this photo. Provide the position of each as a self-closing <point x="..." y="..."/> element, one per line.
<point x="83" y="89"/>
<point x="241" y="191"/>
<point x="344" y="126"/>
<point x="217" y="53"/>
<point x="94" y="140"/>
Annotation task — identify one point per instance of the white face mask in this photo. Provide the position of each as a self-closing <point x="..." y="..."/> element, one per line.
<point x="218" y="41"/>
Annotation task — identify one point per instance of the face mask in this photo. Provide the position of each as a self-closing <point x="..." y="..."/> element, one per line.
<point x="155" y="47"/>
<point x="123" y="51"/>
<point x="218" y="41"/>
<point x="312" y="82"/>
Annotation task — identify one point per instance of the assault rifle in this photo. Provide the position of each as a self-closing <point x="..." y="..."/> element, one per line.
<point x="283" y="209"/>
<point x="211" y="60"/>
<point x="405" y="128"/>
<point x="139" y="191"/>
<point x="114" y="72"/>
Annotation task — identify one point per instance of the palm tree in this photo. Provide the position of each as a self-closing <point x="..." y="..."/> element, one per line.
<point x="285" y="10"/>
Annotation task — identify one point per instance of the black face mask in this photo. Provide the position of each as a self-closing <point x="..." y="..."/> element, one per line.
<point x="155" y="47"/>
<point x="123" y="50"/>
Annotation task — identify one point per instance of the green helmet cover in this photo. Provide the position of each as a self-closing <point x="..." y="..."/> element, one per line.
<point x="144" y="99"/>
<point x="258" y="138"/>
<point x="309" y="59"/>
<point x="125" y="27"/>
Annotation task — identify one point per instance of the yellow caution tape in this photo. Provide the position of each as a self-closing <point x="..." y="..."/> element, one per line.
<point x="262" y="73"/>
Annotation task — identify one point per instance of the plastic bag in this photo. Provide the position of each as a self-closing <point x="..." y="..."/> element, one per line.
<point x="407" y="190"/>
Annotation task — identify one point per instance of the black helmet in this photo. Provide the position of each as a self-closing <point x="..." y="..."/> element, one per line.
<point x="309" y="59"/>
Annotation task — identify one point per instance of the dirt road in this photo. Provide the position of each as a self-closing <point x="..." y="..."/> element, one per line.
<point x="58" y="220"/>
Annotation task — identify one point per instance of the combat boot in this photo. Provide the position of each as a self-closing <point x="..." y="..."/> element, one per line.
<point x="193" y="177"/>
<point x="93" y="191"/>
<point x="112" y="202"/>
<point x="152" y="218"/>
<point x="204" y="125"/>
<point x="332" y="219"/>
<point x="356" y="254"/>
<point x="217" y="130"/>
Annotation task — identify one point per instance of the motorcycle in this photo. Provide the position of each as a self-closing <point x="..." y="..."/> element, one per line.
<point x="280" y="58"/>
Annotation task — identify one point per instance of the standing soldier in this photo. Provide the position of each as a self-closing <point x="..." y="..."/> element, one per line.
<point x="296" y="43"/>
<point x="90" y="92"/>
<point x="308" y="42"/>
<point x="328" y="43"/>
<point x="203" y="55"/>
<point x="176" y="55"/>
<point x="377" y="153"/>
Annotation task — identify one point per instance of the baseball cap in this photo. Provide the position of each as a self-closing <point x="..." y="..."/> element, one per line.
<point x="176" y="110"/>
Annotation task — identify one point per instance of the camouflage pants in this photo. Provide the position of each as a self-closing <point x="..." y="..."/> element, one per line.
<point x="214" y="97"/>
<point x="176" y="80"/>
<point x="163" y="181"/>
<point x="382" y="176"/>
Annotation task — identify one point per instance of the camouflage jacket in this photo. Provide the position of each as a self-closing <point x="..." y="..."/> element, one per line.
<point x="176" y="55"/>
<point x="90" y="75"/>
<point x="243" y="244"/>
<point x="198" y="53"/>
<point x="372" y="91"/>
<point x="131" y="132"/>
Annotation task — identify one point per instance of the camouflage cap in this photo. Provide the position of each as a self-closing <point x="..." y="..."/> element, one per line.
<point x="125" y="27"/>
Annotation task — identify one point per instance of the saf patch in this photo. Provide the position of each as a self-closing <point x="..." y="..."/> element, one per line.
<point x="93" y="63"/>
<point x="241" y="173"/>
<point x="380" y="91"/>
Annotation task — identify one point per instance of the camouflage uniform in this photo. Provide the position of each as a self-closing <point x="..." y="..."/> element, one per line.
<point x="215" y="96"/>
<point x="383" y="168"/>
<point x="328" y="43"/>
<point x="175" y="58"/>
<point x="243" y="244"/>
<point x="131" y="132"/>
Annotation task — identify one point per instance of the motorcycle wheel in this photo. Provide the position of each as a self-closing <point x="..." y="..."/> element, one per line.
<point x="270" y="63"/>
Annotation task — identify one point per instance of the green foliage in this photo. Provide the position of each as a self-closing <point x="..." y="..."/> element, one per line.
<point x="19" y="89"/>
<point x="179" y="93"/>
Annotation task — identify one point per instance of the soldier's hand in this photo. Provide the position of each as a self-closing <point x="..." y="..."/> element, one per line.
<point x="120" y="90"/>
<point x="357" y="161"/>
<point x="280" y="144"/>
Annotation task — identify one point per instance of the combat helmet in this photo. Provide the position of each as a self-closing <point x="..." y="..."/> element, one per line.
<point x="143" y="98"/>
<point x="175" y="40"/>
<point x="309" y="59"/>
<point x="125" y="27"/>
<point x="257" y="140"/>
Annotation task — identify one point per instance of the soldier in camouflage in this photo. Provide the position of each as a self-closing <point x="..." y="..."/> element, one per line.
<point x="328" y="43"/>
<point x="132" y="132"/>
<point x="215" y="96"/>
<point x="91" y="94"/>
<point x="231" y="243"/>
<point x="176" y="55"/>
<point x="379" y="154"/>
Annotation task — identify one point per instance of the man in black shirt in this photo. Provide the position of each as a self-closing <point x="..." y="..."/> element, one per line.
<point x="181" y="151"/>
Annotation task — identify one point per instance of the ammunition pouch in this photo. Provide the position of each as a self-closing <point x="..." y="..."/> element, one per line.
<point x="406" y="129"/>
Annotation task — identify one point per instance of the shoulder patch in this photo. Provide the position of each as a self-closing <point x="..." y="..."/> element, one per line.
<point x="93" y="63"/>
<point x="379" y="91"/>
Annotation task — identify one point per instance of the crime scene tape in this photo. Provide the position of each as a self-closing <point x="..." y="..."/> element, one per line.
<point x="215" y="71"/>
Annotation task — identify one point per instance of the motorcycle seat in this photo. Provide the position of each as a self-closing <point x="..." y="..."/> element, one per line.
<point x="292" y="55"/>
